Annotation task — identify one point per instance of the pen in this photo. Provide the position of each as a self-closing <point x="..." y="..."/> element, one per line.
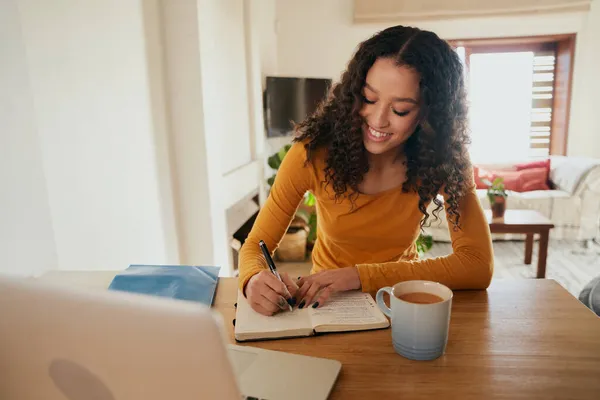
<point x="273" y="269"/>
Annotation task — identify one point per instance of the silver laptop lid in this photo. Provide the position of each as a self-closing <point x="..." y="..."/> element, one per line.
<point x="58" y="342"/>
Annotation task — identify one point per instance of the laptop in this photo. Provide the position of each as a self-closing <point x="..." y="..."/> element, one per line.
<point x="60" y="343"/>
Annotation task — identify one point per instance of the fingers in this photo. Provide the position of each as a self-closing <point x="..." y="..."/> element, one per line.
<point x="276" y="285"/>
<point x="265" y="295"/>
<point x="303" y="290"/>
<point x="324" y="278"/>
<point x="292" y="287"/>
<point x="303" y="280"/>
<point x="324" y="295"/>
<point x="267" y="304"/>
<point x="275" y="298"/>
<point x="305" y="283"/>
<point x="309" y="295"/>
<point x="260" y="309"/>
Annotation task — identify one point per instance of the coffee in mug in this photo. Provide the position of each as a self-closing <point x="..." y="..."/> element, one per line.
<point x="420" y="298"/>
<point x="420" y="314"/>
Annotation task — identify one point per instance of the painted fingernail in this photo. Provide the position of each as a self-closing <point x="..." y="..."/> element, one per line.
<point x="299" y="277"/>
<point x="302" y="303"/>
<point x="315" y="305"/>
<point x="292" y="301"/>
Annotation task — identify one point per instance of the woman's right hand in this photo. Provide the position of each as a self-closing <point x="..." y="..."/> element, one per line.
<point x="268" y="295"/>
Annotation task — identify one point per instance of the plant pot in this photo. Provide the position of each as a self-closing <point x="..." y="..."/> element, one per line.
<point x="293" y="244"/>
<point x="498" y="206"/>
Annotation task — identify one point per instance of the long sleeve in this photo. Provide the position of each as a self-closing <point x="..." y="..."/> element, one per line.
<point x="293" y="179"/>
<point x="470" y="266"/>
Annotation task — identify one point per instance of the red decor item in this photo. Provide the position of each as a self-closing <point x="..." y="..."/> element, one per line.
<point x="525" y="180"/>
<point x="524" y="177"/>
<point x="477" y="176"/>
<point x="534" y="179"/>
<point x="536" y="164"/>
<point x="533" y="164"/>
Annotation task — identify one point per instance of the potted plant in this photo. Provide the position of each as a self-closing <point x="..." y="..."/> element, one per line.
<point x="302" y="231"/>
<point x="497" y="196"/>
<point x="424" y="244"/>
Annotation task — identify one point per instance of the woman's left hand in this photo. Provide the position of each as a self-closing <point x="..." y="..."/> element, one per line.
<point x="324" y="284"/>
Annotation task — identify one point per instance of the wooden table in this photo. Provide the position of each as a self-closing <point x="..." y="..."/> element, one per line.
<point x="520" y="339"/>
<point x="528" y="222"/>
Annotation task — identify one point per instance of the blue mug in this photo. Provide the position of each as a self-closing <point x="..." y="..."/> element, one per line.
<point x="420" y="314"/>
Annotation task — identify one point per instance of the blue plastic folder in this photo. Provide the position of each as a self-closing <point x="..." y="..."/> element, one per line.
<point x="183" y="282"/>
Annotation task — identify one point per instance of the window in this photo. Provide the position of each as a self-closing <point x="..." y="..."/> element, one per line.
<point x="519" y="95"/>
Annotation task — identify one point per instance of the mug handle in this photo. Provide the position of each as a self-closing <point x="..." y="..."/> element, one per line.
<point x="385" y="309"/>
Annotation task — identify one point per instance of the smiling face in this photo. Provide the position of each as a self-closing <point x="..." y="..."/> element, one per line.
<point x="390" y="106"/>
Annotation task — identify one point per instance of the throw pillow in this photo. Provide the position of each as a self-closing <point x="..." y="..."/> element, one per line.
<point x="536" y="164"/>
<point x="533" y="164"/>
<point x="534" y="179"/>
<point x="525" y="180"/>
<point x="477" y="175"/>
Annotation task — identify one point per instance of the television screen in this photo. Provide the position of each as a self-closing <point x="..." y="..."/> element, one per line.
<point x="290" y="100"/>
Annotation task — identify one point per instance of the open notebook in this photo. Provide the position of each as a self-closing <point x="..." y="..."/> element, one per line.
<point x="343" y="312"/>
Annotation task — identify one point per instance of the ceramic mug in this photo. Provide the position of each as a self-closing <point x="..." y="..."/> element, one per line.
<point x="419" y="330"/>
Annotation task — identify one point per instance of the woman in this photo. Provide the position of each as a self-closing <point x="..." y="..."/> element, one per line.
<point x="390" y="137"/>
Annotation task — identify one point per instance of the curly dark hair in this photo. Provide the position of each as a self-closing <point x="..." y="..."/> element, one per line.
<point x="436" y="153"/>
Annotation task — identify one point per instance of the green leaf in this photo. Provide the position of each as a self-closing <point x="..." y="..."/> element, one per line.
<point x="271" y="180"/>
<point x="424" y="243"/>
<point x="309" y="199"/>
<point x="274" y="161"/>
<point x="283" y="151"/>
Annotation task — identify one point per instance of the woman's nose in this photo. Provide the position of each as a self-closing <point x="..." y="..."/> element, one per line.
<point x="380" y="117"/>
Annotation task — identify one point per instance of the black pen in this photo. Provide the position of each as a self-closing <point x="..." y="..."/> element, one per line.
<point x="273" y="269"/>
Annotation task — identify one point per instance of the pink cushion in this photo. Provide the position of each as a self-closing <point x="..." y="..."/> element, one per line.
<point x="477" y="176"/>
<point x="525" y="180"/>
<point x="537" y="164"/>
<point x="524" y="177"/>
<point x="533" y="164"/>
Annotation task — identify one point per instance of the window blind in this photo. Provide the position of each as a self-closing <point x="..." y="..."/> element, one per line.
<point x="544" y="63"/>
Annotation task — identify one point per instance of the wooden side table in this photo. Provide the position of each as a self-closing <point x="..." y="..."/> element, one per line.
<point x="528" y="222"/>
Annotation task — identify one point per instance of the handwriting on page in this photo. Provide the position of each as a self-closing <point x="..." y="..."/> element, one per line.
<point x="347" y="308"/>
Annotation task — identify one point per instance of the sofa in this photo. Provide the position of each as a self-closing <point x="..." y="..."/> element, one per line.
<point x="572" y="202"/>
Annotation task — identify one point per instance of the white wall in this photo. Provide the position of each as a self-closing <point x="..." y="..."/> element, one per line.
<point x="223" y="58"/>
<point x="26" y="237"/>
<point x="317" y="38"/>
<point x="188" y="148"/>
<point x="265" y="22"/>
<point x="143" y="124"/>
<point x="212" y="88"/>
<point x="584" y="128"/>
<point x="87" y="66"/>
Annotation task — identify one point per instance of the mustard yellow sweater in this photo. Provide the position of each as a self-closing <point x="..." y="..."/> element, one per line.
<point x="377" y="236"/>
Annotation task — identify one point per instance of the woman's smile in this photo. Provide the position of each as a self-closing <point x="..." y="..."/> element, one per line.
<point x="376" y="135"/>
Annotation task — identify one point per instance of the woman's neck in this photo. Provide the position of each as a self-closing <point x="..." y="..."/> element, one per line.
<point x="381" y="162"/>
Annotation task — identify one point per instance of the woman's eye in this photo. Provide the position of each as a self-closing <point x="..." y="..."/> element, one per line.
<point x="368" y="101"/>
<point x="401" y="114"/>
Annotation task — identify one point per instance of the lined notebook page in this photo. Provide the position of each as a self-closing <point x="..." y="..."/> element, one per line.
<point x="248" y="320"/>
<point x="348" y="308"/>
